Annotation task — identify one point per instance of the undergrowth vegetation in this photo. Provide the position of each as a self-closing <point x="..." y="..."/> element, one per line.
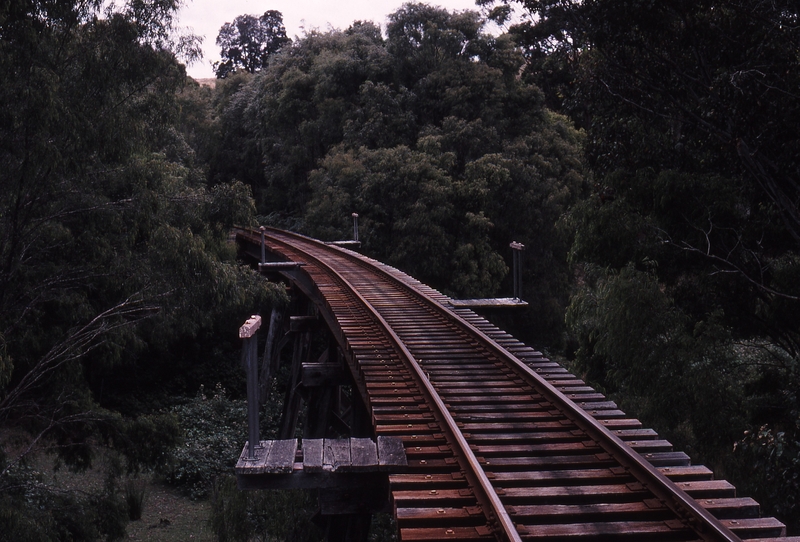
<point x="214" y="426"/>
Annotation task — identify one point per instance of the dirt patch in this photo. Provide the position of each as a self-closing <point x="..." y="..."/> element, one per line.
<point x="169" y="516"/>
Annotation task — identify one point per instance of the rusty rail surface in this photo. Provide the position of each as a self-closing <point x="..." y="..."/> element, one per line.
<point x="503" y="444"/>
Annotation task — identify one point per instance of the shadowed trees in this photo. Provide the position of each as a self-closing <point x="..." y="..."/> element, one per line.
<point x="430" y="135"/>
<point x="687" y="253"/>
<point x="247" y="43"/>
<point x="112" y="249"/>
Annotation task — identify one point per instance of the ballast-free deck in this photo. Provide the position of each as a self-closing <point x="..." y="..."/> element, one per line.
<point x="502" y="443"/>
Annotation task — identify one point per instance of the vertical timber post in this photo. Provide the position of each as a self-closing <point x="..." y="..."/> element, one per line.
<point x="263" y="245"/>
<point x="249" y="332"/>
<point x="517" y="249"/>
<point x="269" y="363"/>
<point x="355" y="226"/>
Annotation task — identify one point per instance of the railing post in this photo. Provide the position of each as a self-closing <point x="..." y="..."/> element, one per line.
<point x="249" y="332"/>
<point x="355" y="226"/>
<point x="263" y="245"/>
<point x="517" y="249"/>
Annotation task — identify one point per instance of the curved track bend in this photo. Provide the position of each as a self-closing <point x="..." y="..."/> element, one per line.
<point x="502" y="443"/>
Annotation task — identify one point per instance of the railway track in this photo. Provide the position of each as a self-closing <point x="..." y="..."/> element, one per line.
<point x="502" y="443"/>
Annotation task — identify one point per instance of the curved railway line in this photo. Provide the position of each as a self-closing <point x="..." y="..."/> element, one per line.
<point x="502" y="444"/>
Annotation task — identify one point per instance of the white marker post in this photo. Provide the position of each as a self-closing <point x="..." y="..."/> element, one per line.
<point x="249" y="332"/>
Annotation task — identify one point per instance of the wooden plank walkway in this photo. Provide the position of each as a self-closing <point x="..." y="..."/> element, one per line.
<point x="317" y="456"/>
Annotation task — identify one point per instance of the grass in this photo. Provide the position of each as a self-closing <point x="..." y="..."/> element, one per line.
<point x="167" y="515"/>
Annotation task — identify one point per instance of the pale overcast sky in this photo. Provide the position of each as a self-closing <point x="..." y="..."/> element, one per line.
<point x="205" y="17"/>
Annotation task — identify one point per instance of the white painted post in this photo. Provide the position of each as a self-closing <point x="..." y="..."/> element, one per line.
<point x="249" y="332"/>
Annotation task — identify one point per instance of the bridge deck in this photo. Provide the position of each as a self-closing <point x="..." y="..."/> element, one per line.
<point x="501" y="442"/>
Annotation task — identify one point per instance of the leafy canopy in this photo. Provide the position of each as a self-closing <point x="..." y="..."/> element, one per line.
<point x="113" y="251"/>
<point x="248" y="42"/>
<point x="429" y="135"/>
<point x="690" y="111"/>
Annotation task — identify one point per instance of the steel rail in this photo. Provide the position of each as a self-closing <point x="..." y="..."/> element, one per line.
<point x="697" y="518"/>
<point x="706" y="525"/>
<point x="498" y="511"/>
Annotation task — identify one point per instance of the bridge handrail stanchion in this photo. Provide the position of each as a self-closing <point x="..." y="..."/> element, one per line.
<point x="517" y="249"/>
<point x="249" y="332"/>
<point x="263" y="245"/>
<point x="355" y="226"/>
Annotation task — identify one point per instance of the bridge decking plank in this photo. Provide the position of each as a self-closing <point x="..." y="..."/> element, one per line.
<point x="537" y="445"/>
<point x="335" y="454"/>
<point x="391" y="452"/>
<point x="363" y="455"/>
<point x="312" y="455"/>
<point x="281" y="457"/>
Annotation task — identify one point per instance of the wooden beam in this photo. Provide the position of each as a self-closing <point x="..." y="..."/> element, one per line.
<point x="326" y="456"/>
<point x="363" y="455"/>
<point x="279" y="266"/>
<point x="312" y="455"/>
<point x="336" y="454"/>
<point x="305" y="480"/>
<point x="391" y="453"/>
<point x="497" y="302"/>
<point x="250" y="327"/>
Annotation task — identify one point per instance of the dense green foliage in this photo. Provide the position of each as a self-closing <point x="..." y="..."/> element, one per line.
<point x="213" y="427"/>
<point x="113" y="252"/>
<point x="247" y="43"/>
<point x="429" y="135"/>
<point x="687" y="254"/>
<point x="677" y="275"/>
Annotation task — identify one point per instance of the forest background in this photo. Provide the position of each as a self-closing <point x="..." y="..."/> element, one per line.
<point x="646" y="153"/>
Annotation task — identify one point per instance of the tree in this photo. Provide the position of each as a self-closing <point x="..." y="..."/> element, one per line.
<point x="248" y="42"/>
<point x="430" y="135"/>
<point x="113" y="251"/>
<point x="690" y="113"/>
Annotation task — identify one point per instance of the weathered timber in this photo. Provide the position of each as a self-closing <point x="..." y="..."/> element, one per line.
<point x="269" y="362"/>
<point x="248" y="332"/>
<point x="490" y="303"/>
<point x="312" y="455"/>
<point x="250" y="327"/>
<point x="391" y="452"/>
<point x="293" y="403"/>
<point x="335" y="454"/>
<point x="279" y="266"/>
<point x="326" y="464"/>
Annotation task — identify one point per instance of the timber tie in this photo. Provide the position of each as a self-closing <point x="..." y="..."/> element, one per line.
<point x="501" y="443"/>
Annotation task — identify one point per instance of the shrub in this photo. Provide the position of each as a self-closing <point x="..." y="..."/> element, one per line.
<point x="215" y="429"/>
<point x="770" y="467"/>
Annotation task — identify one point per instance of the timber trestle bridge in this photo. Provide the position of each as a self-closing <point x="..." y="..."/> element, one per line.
<point x="499" y="442"/>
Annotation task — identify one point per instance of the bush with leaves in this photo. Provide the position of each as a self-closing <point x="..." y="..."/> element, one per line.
<point x="430" y="136"/>
<point x="215" y="429"/>
<point x="773" y="456"/>
<point x="31" y="510"/>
